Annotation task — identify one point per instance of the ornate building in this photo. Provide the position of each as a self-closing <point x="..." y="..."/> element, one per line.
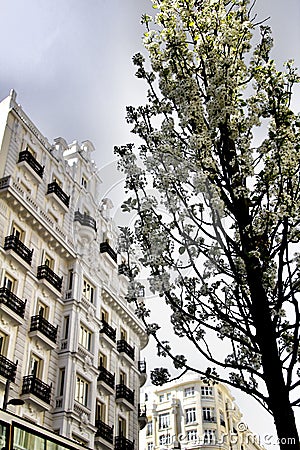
<point x="189" y="414"/>
<point x="69" y="342"/>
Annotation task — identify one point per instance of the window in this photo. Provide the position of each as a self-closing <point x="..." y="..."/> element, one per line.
<point x="206" y="391"/>
<point x="48" y="261"/>
<point x="84" y="182"/>
<point x="3" y="343"/>
<point x="220" y="396"/>
<point x="85" y="338"/>
<point x="88" y="291"/>
<point x="104" y="315"/>
<point x="122" y="377"/>
<point x="102" y="361"/>
<point x="149" y="429"/>
<point x="100" y="411"/>
<point x="161" y="398"/>
<point x="82" y="389"/>
<point x="9" y="283"/>
<point x="17" y="232"/>
<point x="35" y="366"/>
<point x="168" y="396"/>
<point x="61" y="382"/>
<point x="189" y="392"/>
<point x="163" y="421"/>
<point x="209" y="436"/>
<point x="66" y="327"/>
<point x="42" y="309"/>
<point x="192" y="435"/>
<point x="70" y="279"/>
<point x="122" y="426"/>
<point x="123" y="334"/>
<point x="208" y="414"/>
<point x="222" y="420"/>
<point x="150" y="446"/>
<point x="190" y="415"/>
<point x="57" y="181"/>
<point x="164" y="439"/>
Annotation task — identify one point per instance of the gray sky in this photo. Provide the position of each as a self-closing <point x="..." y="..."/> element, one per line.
<point x="70" y="63"/>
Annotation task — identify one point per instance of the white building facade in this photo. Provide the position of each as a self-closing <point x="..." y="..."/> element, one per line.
<point x="190" y="414"/>
<point x="69" y="342"/>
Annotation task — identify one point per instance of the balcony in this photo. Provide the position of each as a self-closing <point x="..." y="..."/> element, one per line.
<point x="209" y="419"/>
<point x="44" y="331"/>
<point x="36" y="392"/>
<point x="30" y="160"/>
<point x="85" y="220"/>
<point x="125" y="396"/>
<point x="105" y="432"/>
<point x="106" y="248"/>
<point x="108" y="331"/>
<point x="143" y="372"/>
<point x="59" y="194"/>
<point x="106" y="381"/>
<point x="8" y="369"/>
<point x="13" y="243"/>
<point x="121" y="443"/>
<point x="44" y="272"/>
<point x="12" y="306"/>
<point x="124" y="347"/>
<point x="142" y="416"/>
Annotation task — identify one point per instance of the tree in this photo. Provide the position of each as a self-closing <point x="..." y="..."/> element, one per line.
<point x="220" y="154"/>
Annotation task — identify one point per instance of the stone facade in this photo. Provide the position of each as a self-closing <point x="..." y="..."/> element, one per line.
<point x="70" y="343"/>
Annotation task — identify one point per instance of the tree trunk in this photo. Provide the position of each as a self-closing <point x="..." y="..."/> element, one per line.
<point x="279" y="402"/>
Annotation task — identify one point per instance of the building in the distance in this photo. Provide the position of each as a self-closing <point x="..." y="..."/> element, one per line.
<point x="191" y="414"/>
<point x="69" y="342"/>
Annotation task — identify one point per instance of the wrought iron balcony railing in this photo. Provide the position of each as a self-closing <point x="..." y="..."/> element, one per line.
<point x="32" y="162"/>
<point x="85" y="219"/>
<point x="12" y="301"/>
<point x="142" y="366"/>
<point x="106" y="376"/>
<point x="121" y="443"/>
<point x="8" y="369"/>
<point x="44" y="272"/>
<point x="39" y="323"/>
<point x="124" y="392"/>
<point x="108" y="330"/>
<point x="57" y="190"/>
<point x="106" y="248"/>
<point x="123" y="346"/>
<point x="209" y="419"/>
<point x="32" y="385"/>
<point x="104" y="431"/>
<point x="14" y="243"/>
<point x="4" y="182"/>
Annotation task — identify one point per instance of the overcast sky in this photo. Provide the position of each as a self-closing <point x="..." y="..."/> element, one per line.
<point x="70" y="63"/>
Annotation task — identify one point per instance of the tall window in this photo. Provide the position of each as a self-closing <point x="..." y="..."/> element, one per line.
<point x="122" y="426"/>
<point x="3" y="343"/>
<point x="61" y="382"/>
<point x="123" y="334"/>
<point x="161" y="398"/>
<point x="42" y="309"/>
<point x="102" y="361"/>
<point x="88" y="291"/>
<point x="206" y="391"/>
<point x="48" y="261"/>
<point x="208" y="414"/>
<point x="9" y="283"/>
<point x="84" y="182"/>
<point x="150" y="446"/>
<point x="123" y="377"/>
<point x="149" y="429"/>
<point x="192" y="435"/>
<point x="35" y="366"/>
<point x="66" y="327"/>
<point x="85" y="338"/>
<point x="17" y="232"/>
<point x="82" y="390"/>
<point x="209" y="436"/>
<point x="163" y="421"/>
<point x="70" y="279"/>
<point x="100" y="411"/>
<point x="189" y="391"/>
<point x="190" y="415"/>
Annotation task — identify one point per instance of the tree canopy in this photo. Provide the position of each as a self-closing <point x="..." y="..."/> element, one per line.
<point x="215" y="186"/>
